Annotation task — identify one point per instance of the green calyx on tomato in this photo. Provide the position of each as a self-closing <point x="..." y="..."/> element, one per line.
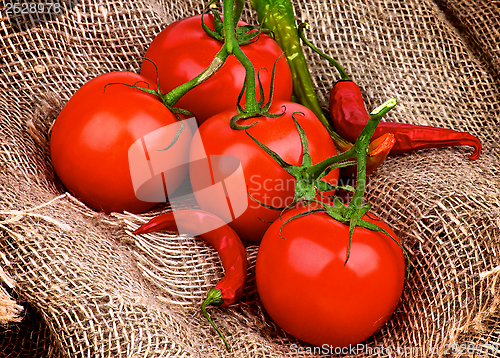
<point x="308" y="183"/>
<point x="253" y="107"/>
<point x="308" y="176"/>
<point x="245" y="34"/>
<point x="262" y="108"/>
<point x="339" y="304"/>
<point x="342" y="214"/>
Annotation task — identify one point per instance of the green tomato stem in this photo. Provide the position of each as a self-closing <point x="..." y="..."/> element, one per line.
<point x="232" y="47"/>
<point x="171" y="98"/>
<point x="358" y="150"/>
<point x="361" y="146"/>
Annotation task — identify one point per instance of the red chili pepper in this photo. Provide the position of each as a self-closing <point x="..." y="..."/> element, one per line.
<point x="349" y="117"/>
<point x="231" y="251"/>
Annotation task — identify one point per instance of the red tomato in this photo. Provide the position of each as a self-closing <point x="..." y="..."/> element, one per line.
<point x="92" y="136"/>
<point x="183" y="50"/>
<point x="309" y="292"/>
<point x="263" y="179"/>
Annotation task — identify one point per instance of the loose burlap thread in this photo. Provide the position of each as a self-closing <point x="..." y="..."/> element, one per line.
<point x="89" y="288"/>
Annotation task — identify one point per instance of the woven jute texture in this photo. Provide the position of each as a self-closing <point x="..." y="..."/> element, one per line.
<point x="86" y="287"/>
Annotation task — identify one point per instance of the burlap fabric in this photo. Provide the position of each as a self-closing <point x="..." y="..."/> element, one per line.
<point x="91" y="289"/>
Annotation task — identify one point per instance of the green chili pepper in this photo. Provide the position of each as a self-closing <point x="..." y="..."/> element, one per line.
<point x="277" y="16"/>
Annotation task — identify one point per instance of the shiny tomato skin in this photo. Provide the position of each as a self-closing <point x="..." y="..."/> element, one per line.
<point x="309" y="292"/>
<point x="183" y="50"/>
<point x="91" y="137"/>
<point x="265" y="180"/>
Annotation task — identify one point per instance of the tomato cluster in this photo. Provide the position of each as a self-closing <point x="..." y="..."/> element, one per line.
<point x="93" y="133"/>
<point x="111" y="148"/>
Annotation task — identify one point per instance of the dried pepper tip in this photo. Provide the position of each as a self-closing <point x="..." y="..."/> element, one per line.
<point x="161" y="222"/>
<point x="214" y="298"/>
<point x="476" y="143"/>
<point x="378" y="150"/>
<point x="144" y="229"/>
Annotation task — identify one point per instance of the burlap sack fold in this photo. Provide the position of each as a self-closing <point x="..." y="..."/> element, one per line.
<point x="92" y="289"/>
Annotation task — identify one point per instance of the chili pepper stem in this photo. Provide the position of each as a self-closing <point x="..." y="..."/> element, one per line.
<point x="340" y="69"/>
<point x="214" y="298"/>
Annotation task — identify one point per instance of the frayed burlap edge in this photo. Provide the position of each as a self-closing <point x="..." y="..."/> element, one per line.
<point x="10" y="311"/>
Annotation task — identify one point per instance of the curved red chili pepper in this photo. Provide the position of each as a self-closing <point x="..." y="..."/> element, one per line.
<point x="349" y="117"/>
<point x="224" y="239"/>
